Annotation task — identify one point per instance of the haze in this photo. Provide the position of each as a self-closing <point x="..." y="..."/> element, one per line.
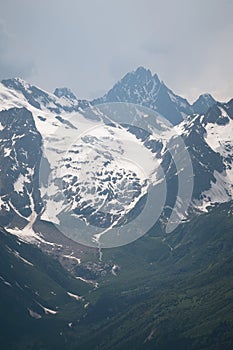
<point x="89" y="45"/>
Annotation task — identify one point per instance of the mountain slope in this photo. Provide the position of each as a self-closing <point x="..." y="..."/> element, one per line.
<point x="210" y="145"/>
<point x="30" y="135"/>
<point x="61" y="101"/>
<point x="163" y="291"/>
<point x="169" y="292"/>
<point x="142" y="88"/>
<point x="20" y="155"/>
<point x="177" y="298"/>
<point x="203" y="103"/>
<point x="38" y="297"/>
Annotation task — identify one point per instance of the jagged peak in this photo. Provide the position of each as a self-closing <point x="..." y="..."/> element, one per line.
<point x="206" y="97"/>
<point x="141" y="74"/>
<point x="22" y="85"/>
<point x="64" y="92"/>
<point x="203" y="103"/>
<point x="142" y="71"/>
<point x="16" y="82"/>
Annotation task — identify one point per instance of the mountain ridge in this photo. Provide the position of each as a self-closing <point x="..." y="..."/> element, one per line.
<point x="163" y="291"/>
<point x="141" y="87"/>
<point x="153" y="93"/>
<point x="196" y="130"/>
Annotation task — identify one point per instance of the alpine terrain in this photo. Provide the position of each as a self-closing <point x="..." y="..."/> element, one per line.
<point x="115" y="218"/>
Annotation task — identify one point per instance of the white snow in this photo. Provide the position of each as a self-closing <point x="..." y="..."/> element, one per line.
<point x="52" y="209"/>
<point x="49" y="311"/>
<point x="223" y="112"/>
<point x="28" y="235"/>
<point x="19" y="184"/>
<point x="73" y="258"/>
<point x="4" y="205"/>
<point x="59" y="140"/>
<point x="34" y="314"/>
<point x="219" y="135"/>
<point x="219" y="191"/>
<point x="87" y="281"/>
<point x="172" y="97"/>
<point x="21" y="258"/>
<point x="220" y="139"/>
<point x="5" y="282"/>
<point x="75" y="296"/>
<point x="114" y="269"/>
<point x="126" y="149"/>
<point x="22" y="179"/>
<point x="10" y="98"/>
<point x="7" y="152"/>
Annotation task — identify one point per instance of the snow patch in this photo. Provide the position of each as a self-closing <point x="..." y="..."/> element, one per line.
<point x="34" y="314"/>
<point x="73" y="258"/>
<point x="87" y="281"/>
<point x="5" y="282"/>
<point x="21" y="258"/>
<point x="75" y="296"/>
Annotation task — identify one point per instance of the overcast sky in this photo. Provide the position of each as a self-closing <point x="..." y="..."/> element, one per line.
<point x="88" y="45"/>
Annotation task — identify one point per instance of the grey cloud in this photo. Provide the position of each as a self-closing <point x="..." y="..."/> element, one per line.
<point x="157" y="48"/>
<point x="89" y="45"/>
<point x="12" y="64"/>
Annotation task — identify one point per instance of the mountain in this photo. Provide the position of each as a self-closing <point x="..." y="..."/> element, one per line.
<point x="73" y="175"/>
<point x="169" y="292"/>
<point x="203" y="103"/>
<point x="20" y="145"/>
<point x="18" y="93"/>
<point x="65" y="92"/>
<point x="209" y="141"/>
<point x="143" y="88"/>
<point x="37" y="295"/>
<point x="32" y="144"/>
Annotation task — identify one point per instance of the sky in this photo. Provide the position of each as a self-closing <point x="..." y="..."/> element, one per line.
<point x="88" y="45"/>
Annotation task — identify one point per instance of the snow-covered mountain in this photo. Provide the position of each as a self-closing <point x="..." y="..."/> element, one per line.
<point x="143" y="88"/>
<point x="100" y="175"/>
<point x="210" y="145"/>
<point x="62" y="157"/>
<point x="18" y="93"/>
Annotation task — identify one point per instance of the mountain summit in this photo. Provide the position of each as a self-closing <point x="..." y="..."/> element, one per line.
<point x="64" y="163"/>
<point x="207" y="136"/>
<point x="142" y="87"/>
<point x="65" y="92"/>
<point x="203" y="103"/>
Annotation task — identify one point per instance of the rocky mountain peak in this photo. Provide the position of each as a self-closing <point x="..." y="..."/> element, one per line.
<point x="65" y="92"/>
<point x="203" y="103"/>
<point x="142" y="87"/>
<point x="16" y="83"/>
